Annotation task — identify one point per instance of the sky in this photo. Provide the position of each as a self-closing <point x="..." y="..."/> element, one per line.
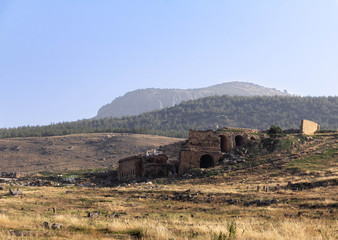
<point x="61" y="60"/>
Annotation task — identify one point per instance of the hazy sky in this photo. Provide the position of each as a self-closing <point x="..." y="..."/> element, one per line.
<point x="60" y="60"/>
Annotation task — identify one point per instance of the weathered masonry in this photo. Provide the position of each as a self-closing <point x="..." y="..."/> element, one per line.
<point x="204" y="148"/>
<point x="148" y="166"/>
<point x="308" y="127"/>
<point x="13" y="174"/>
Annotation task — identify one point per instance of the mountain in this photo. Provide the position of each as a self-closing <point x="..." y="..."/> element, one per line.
<point x="146" y="100"/>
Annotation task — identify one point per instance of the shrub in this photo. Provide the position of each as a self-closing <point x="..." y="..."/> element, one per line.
<point x="232" y="229"/>
<point x="275" y="131"/>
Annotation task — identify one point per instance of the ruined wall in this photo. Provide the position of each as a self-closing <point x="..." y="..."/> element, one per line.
<point x="157" y="159"/>
<point x="207" y="140"/>
<point x="230" y="140"/>
<point x="158" y="170"/>
<point x="130" y="168"/>
<point x="192" y="159"/>
<point x="138" y="167"/>
<point x="205" y="148"/>
<point x="13" y="174"/>
<point x="157" y="166"/>
<point x="308" y="127"/>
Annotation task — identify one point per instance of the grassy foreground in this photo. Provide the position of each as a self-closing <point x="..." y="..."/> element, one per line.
<point x="284" y="195"/>
<point x="216" y="208"/>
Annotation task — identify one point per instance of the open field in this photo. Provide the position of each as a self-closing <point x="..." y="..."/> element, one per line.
<point x="290" y="194"/>
<point x="188" y="209"/>
<point x="79" y="151"/>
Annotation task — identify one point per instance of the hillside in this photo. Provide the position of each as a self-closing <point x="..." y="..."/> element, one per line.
<point x="205" y="113"/>
<point x="81" y="151"/>
<point x="146" y="100"/>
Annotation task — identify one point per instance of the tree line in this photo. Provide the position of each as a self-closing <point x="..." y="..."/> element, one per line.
<point x="205" y="113"/>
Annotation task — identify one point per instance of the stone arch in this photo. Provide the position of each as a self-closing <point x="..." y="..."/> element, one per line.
<point x="239" y="140"/>
<point x="206" y="161"/>
<point x="225" y="144"/>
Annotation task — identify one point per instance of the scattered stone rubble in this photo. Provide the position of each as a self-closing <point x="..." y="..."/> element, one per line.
<point x="41" y="183"/>
<point x="53" y="226"/>
<point x="260" y="203"/>
<point x="115" y="215"/>
<point x="19" y="233"/>
<point x="94" y="214"/>
<point x="309" y="185"/>
<point x="15" y="192"/>
<point x="13" y="174"/>
<point x="232" y="158"/>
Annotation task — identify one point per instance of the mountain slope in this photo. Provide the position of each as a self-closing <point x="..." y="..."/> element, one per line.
<point x="146" y="100"/>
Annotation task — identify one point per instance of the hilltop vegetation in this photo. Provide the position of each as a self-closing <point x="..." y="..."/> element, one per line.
<point x="150" y="99"/>
<point x="205" y="113"/>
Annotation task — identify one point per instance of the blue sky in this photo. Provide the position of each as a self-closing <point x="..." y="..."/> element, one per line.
<point x="61" y="60"/>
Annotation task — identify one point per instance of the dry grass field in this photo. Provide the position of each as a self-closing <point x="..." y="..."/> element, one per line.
<point x="297" y="199"/>
<point x="78" y="151"/>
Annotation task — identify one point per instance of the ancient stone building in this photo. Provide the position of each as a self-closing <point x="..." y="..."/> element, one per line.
<point x="205" y="148"/>
<point x="145" y="166"/>
<point x="130" y="168"/>
<point x="308" y="127"/>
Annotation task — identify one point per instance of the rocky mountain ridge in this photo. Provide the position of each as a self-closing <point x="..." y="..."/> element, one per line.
<point x="150" y="99"/>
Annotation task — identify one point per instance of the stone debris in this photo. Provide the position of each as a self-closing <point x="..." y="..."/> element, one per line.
<point x="260" y="203"/>
<point x="15" y="192"/>
<point x="46" y="225"/>
<point x="56" y="226"/>
<point x="19" y="233"/>
<point x="53" y="226"/>
<point x="94" y="214"/>
<point x="141" y="185"/>
<point x="115" y="214"/>
<point x="310" y="185"/>
<point x="41" y="183"/>
<point x="232" y="158"/>
<point x="13" y="174"/>
<point x="232" y="201"/>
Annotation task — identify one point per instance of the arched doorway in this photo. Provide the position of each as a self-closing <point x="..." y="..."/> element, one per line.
<point x="225" y="144"/>
<point x="206" y="161"/>
<point x="239" y="140"/>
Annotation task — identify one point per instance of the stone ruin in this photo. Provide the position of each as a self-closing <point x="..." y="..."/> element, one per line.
<point x="145" y="166"/>
<point x="203" y="149"/>
<point x="308" y="127"/>
<point x="13" y="174"/>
